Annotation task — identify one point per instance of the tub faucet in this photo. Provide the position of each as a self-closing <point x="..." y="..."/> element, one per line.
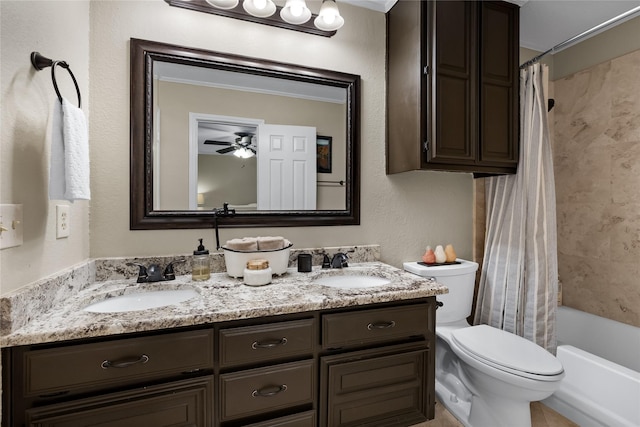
<point x="155" y="273"/>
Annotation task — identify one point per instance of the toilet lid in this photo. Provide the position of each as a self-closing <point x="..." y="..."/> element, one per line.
<point x="507" y="351"/>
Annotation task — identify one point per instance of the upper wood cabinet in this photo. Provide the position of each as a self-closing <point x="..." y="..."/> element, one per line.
<point x="452" y="86"/>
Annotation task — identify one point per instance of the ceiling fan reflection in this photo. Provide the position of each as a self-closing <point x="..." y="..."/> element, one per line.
<point x="241" y="147"/>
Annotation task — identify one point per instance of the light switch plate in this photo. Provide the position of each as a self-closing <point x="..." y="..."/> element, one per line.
<point x="63" y="222"/>
<point x="11" y="223"/>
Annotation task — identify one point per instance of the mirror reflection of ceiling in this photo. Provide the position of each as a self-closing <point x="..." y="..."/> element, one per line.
<point x="187" y="74"/>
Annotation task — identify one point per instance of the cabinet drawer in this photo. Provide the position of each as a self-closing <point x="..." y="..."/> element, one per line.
<point x="121" y="362"/>
<point x="181" y="403"/>
<point x="256" y="391"/>
<point x="304" y="419"/>
<point x="254" y="344"/>
<point x="374" y="325"/>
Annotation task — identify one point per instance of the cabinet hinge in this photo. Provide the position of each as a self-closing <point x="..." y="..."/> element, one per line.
<point x="425" y="146"/>
<point x="426" y="70"/>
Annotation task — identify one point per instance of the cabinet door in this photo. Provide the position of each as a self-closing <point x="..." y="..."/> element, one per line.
<point x="181" y="403"/>
<point x="454" y="137"/>
<point x="499" y="85"/>
<point x="408" y="85"/>
<point x="387" y="387"/>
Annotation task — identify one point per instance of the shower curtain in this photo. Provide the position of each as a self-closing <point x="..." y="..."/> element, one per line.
<point x="519" y="279"/>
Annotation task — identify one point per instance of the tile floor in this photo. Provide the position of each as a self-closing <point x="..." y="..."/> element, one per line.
<point x="541" y="416"/>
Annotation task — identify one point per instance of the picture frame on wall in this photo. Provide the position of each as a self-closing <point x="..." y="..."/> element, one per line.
<point x="323" y="157"/>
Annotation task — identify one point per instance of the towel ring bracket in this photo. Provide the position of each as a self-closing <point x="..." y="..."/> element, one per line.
<point x="40" y="62"/>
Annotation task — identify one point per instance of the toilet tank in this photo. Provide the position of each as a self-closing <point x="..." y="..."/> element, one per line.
<point x="459" y="278"/>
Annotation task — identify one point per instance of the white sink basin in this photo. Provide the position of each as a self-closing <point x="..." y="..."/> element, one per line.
<point x="352" y="281"/>
<point x="141" y="301"/>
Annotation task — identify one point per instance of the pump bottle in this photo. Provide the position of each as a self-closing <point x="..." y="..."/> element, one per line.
<point x="200" y="266"/>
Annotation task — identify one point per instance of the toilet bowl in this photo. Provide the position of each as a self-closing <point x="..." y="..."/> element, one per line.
<point x="485" y="377"/>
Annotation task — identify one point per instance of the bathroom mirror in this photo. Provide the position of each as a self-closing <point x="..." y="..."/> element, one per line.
<point x="200" y="121"/>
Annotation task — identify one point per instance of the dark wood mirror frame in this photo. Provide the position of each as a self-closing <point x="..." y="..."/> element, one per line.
<point x="142" y="214"/>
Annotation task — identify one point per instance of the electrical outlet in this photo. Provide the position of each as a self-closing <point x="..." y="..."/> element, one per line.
<point x="10" y="226"/>
<point x="62" y="221"/>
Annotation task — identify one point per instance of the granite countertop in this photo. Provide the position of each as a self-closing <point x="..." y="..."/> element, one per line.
<point x="222" y="298"/>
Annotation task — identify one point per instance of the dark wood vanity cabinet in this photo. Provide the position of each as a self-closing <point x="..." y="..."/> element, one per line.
<point x="367" y="365"/>
<point x="453" y="86"/>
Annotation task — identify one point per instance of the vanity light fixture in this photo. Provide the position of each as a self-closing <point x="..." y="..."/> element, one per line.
<point x="259" y="8"/>
<point x="329" y="18"/>
<point x="223" y="4"/>
<point x="295" y="15"/>
<point x="295" y="12"/>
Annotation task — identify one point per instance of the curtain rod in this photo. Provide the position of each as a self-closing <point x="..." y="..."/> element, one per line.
<point x="582" y="35"/>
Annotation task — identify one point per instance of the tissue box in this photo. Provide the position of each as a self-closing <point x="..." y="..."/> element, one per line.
<point x="236" y="260"/>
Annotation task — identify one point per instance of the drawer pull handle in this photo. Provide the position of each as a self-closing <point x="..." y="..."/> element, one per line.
<point x="381" y="325"/>
<point x="269" y="391"/>
<point x="108" y="364"/>
<point x="268" y="344"/>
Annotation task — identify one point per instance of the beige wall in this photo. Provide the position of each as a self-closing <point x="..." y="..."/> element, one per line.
<point x="403" y="213"/>
<point x="597" y="166"/>
<point x="58" y="30"/>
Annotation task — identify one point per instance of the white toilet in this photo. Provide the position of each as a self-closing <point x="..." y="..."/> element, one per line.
<point x="485" y="377"/>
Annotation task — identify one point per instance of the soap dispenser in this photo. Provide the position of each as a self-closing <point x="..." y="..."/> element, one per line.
<point x="200" y="266"/>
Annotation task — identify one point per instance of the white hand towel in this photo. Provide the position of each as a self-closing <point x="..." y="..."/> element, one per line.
<point x="69" y="175"/>
<point x="56" y="168"/>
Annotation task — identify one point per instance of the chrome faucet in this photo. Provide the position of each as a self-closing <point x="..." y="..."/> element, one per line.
<point x="155" y="273"/>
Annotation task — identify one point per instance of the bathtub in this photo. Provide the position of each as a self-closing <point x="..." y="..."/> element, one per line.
<point x="601" y="358"/>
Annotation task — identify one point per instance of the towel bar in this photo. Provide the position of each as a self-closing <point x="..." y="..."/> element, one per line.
<point x="40" y="62"/>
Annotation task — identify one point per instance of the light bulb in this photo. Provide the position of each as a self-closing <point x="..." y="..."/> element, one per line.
<point x="329" y="18"/>
<point x="259" y="8"/>
<point x="295" y="12"/>
<point x="296" y="9"/>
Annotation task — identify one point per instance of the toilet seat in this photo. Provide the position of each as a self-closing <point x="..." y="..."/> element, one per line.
<point x="507" y="352"/>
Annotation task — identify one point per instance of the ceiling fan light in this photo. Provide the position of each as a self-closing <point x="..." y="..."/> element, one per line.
<point x="223" y="4"/>
<point x="329" y="18"/>
<point x="259" y="8"/>
<point x="243" y="153"/>
<point x="295" y="12"/>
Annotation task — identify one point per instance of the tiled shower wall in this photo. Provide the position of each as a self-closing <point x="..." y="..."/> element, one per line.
<point x="597" y="174"/>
